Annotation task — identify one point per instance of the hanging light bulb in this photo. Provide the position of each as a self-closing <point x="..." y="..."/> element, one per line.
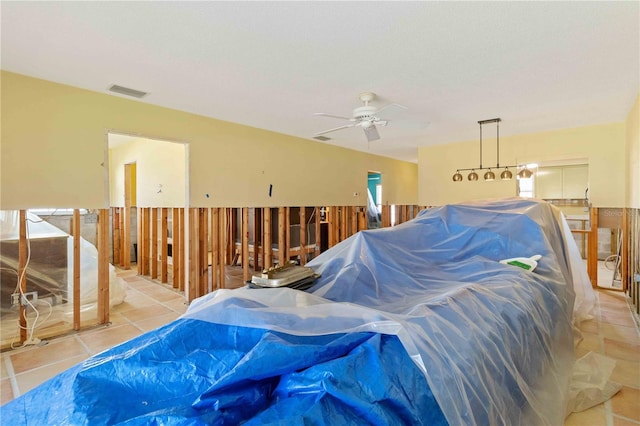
<point x="473" y="175"/>
<point x="457" y="177"/>
<point x="506" y="174"/>
<point x="489" y="176"/>
<point x="525" y="173"/>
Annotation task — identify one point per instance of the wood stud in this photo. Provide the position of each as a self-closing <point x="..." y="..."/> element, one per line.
<point x="75" y="232"/>
<point x="103" y="266"/>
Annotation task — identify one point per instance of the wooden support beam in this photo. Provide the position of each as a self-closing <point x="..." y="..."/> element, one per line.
<point x="231" y="235"/>
<point x="318" y="232"/>
<point x="116" y="241"/>
<point x="362" y="219"/>
<point x="180" y="248"/>
<point x="354" y="220"/>
<point x="282" y="235"/>
<point x="215" y="248"/>
<point x="154" y="243"/>
<point x="175" y="247"/>
<point x="103" y="266"/>
<point x="145" y="243"/>
<point x="164" y="248"/>
<point x="334" y="221"/>
<point x="287" y="233"/>
<point x="592" y="251"/>
<point x="139" y="240"/>
<point x="386" y="216"/>
<point x="203" y="251"/>
<point x="126" y="240"/>
<point x="344" y="223"/>
<point x="258" y="240"/>
<point x="194" y="256"/>
<point x="624" y="255"/>
<point x="303" y="235"/>
<point x="267" y="247"/>
<point x="223" y="247"/>
<point x="246" y="273"/>
<point x="22" y="272"/>
<point x="75" y="232"/>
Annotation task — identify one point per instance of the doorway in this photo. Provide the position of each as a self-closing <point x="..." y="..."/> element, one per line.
<point x="148" y="189"/>
<point x="374" y="203"/>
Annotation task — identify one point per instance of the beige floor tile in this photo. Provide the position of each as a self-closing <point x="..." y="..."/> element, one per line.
<point x="155" y="322"/>
<point x="132" y="303"/>
<point x="160" y="294"/>
<point x="590" y="326"/>
<point x="590" y="342"/>
<point x="619" y="317"/>
<point x="146" y="312"/>
<point x="6" y="392"/>
<point x="108" y="337"/>
<point x="3" y="369"/>
<point x="594" y="416"/>
<point x="620" y="332"/>
<point x="605" y="296"/>
<point x="131" y="278"/>
<point x="126" y="272"/>
<point x="38" y="356"/>
<point x="619" y="421"/>
<point x="622" y="350"/>
<point x="627" y="373"/>
<point x="32" y="378"/>
<point x="179" y="305"/>
<point x="626" y="403"/>
<point x="141" y="284"/>
<point x="115" y="318"/>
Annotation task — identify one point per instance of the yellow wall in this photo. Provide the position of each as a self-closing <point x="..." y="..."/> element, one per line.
<point x="160" y="173"/>
<point x="603" y="146"/>
<point x="53" y="152"/>
<point x="632" y="126"/>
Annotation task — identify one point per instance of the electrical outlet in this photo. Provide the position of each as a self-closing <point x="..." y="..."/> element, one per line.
<point x="32" y="297"/>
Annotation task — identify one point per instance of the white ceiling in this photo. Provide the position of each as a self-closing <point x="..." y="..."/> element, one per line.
<point x="537" y="65"/>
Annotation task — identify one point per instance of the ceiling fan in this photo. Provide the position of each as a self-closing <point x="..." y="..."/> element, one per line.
<point x="367" y="117"/>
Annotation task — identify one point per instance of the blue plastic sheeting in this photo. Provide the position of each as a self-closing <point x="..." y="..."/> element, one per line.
<point x="195" y="372"/>
<point x="495" y="340"/>
<point x="414" y="324"/>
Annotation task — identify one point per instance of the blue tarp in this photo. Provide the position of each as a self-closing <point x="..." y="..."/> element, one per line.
<point x="416" y="324"/>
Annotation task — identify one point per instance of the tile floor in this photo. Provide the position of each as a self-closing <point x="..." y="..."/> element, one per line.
<point x="613" y="332"/>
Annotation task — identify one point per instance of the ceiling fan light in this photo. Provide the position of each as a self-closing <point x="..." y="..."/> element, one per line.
<point x="489" y="176"/>
<point x="506" y="174"/>
<point x="525" y="173"/>
<point x="472" y="176"/>
<point x="457" y="177"/>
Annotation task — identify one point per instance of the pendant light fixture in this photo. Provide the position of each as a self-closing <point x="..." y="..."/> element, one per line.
<point x="489" y="175"/>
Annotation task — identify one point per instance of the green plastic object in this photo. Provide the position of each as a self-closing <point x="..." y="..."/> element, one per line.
<point x="526" y="263"/>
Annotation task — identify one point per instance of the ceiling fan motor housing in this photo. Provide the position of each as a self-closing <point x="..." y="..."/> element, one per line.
<point x="364" y="112"/>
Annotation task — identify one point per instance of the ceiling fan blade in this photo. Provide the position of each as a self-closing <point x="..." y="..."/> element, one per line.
<point x="390" y="110"/>
<point x="382" y="123"/>
<point x="334" y="129"/>
<point x="322" y="114"/>
<point x="372" y="133"/>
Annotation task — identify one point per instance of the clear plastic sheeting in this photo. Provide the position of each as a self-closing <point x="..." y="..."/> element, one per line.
<point x="494" y="341"/>
<point x="590" y="384"/>
<point x="49" y="274"/>
<point x="407" y="325"/>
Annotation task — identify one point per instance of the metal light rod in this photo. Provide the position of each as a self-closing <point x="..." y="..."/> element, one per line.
<point x="491" y="120"/>
<point x="488" y="168"/>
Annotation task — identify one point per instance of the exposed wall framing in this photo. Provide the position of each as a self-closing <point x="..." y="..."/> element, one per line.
<point x="633" y="255"/>
<point x="247" y="238"/>
<point x="240" y="240"/>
